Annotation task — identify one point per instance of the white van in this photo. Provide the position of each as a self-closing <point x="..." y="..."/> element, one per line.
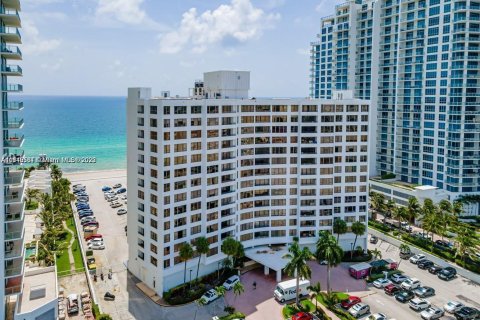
<point x="286" y="290"/>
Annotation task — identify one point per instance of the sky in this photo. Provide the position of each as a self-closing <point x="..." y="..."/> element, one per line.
<point x="102" y="47"/>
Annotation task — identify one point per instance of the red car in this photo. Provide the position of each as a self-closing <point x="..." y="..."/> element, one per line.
<point x="350" y="302"/>
<point x="302" y="316"/>
<point x="94" y="236"/>
<point x="391" y="289"/>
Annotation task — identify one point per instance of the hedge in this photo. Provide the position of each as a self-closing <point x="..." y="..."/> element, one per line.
<point x="379" y="226"/>
<point x="235" y="315"/>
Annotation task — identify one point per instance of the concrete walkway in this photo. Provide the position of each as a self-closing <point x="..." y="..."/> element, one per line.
<point x="70" y="254"/>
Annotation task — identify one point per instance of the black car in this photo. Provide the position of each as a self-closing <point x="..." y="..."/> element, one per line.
<point x="447" y="273"/>
<point x="404" y="296"/>
<point x="435" y="269"/>
<point x="425" y="264"/>
<point x="467" y="313"/>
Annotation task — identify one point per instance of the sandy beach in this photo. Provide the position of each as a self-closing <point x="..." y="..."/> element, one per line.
<point x="95" y="175"/>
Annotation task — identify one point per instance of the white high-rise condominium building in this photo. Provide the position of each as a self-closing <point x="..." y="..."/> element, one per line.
<point x="260" y="170"/>
<point x="11" y="197"/>
<point x="419" y="63"/>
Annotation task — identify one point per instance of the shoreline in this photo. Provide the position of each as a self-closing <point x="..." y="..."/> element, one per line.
<point x="95" y="174"/>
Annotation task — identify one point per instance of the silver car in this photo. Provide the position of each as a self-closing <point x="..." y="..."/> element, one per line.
<point x="359" y="310"/>
<point x="452" y="306"/>
<point x="432" y="313"/>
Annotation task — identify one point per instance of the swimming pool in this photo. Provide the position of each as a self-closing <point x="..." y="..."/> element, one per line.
<point x="30" y="252"/>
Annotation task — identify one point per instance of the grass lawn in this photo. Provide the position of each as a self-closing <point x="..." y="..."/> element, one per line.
<point x="77" y="253"/>
<point x="63" y="263"/>
<point x="291" y="309"/>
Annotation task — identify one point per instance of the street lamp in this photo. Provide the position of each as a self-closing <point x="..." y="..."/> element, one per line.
<point x="218" y="270"/>
<point x="191" y="277"/>
<point x="351" y="250"/>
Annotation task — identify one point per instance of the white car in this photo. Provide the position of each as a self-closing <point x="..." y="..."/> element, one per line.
<point x="411" y="284"/>
<point x="378" y="316"/>
<point x="96" y="246"/>
<point x="115" y="204"/>
<point x="398" y="278"/>
<point x="417" y="258"/>
<point x="359" y="310"/>
<point x="432" y="313"/>
<point x="108" y="195"/>
<point x="111" y="199"/>
<point x="209" y="296"/>
<point x="121" y="211"/>
<point x="381" y="283"/>
<point x="452" y="306"/>
<point x="95" y="241"/>
<point x="230" y="282"/>
<point x="419" y="304"/>
<point x="123" y="197"/>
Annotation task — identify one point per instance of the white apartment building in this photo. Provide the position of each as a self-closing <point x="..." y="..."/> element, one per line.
<point x="260" y="170"/>
<point x="12" y="184"/>
<point x="418" y="63"/>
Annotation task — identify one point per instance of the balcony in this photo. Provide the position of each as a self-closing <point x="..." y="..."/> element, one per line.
<point x="14" y="177"/>
<point x="14" y="249"/>
<point x="13" y="142"/>
<point x="10" y="17"/>
<point x="11" y="4"/>
<point x="14" y="231"/>
<point x="13" y="158"/>
<point x="12" y="88"/>
<point x="13" y="106"/>
<point x="14" y="194"/>
<point x="14" y="212"/>
<point x="14" y="268"/>
<point x="10" y="35"/>
<point x="11" y="52"/>
<point x="13" y="124"/>
<point x="11" y="70"/>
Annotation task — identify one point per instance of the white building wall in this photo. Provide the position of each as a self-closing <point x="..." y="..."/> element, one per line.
<point x="236" y="167"/>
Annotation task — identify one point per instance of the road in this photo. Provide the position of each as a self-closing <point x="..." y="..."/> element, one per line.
<point x="459" y="289"/>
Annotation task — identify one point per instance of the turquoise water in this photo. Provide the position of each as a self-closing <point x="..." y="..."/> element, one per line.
<point x="30" y="252"/>
<point x="82" y="128"/>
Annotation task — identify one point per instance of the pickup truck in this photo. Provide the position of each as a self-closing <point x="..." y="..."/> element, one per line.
<point x="72" y="303"/>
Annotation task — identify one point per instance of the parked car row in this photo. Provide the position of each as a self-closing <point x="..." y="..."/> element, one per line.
<point x="114" y="195"/>
<point x="411" y="291"/>
<point x="87" y="218"/>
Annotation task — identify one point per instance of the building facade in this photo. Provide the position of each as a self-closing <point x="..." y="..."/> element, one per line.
<point x="11" y="198"/>
<point x="418" y="62"/>
<point x="260" y="170"/>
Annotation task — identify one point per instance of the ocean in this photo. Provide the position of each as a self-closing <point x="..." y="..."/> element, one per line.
<point x="81" y="133"/>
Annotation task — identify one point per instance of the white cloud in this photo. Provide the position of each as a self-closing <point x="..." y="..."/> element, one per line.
<point x="124" y="11"/>
<point x="53" y="67"/>
<point x="238" y="21"/>
<point x="34" y="43"/>
<point x="303" y="52"/>
<point x="327" y="5"/>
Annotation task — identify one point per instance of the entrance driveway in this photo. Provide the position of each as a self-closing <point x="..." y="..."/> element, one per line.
<point x="259" y="304"/>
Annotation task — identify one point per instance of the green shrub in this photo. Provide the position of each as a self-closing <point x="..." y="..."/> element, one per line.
<point x="31" y="205"/>
<point x="104" y="316"/>
<point x="388" y="176"/>
<point x="236" y="315"/>
<point x="379" y="226"/>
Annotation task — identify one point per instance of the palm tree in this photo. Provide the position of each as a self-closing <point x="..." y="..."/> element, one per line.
<point x="413" y="209"/>
<point x="466" y="243"/>
<point x="329" y="250"/>
<point x="55" y="172"/>
<point x="446" y="211"/>
<point x="297" y="266"/>
<point x="315" y="289"/>
<point x="233" y="249"/>
<point x="389" y="208"/>
<point x="403" y="249"/>
<point x="376" y="254"/>
<point x="358" y="229"/>
<point x="31" y="195"/>
<point x="186" y="253"/>
<point x="432" y="222"/>
<point x="400" y="213"/>
<point x="457" y="209"/>
<point x="238" y="289"/>
<point x="202" y="246"/>
<point x="339" y="227"/>
<point x="377" y="202"/>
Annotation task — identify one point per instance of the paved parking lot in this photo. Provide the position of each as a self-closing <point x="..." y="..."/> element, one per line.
<point x="459" y="289"/>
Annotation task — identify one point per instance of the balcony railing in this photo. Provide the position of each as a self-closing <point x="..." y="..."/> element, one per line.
<point x="13" y="124"/>
<point x="12" y="88"/>
<point x="10" y="17"/>
<point x="14" y="177"/>
<point x="13" y="106"/>
<point x="12" y="52"/>
<point x="10" y="34"/>
<point x="13" y="142"/>
<point x="11" y="69"/>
